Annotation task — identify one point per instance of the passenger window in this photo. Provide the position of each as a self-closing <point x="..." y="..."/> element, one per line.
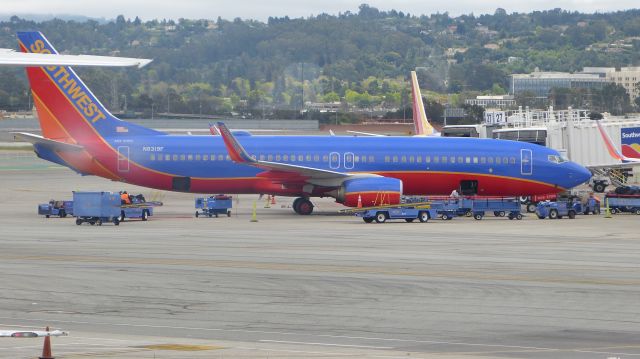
<point x="293" y="158"/>
<point x="300" y="158"/>
<point x="419" y="159"/>
<point x="395" y="159"/>
<point x="452" y="159"/>
<point x="387" y="159"/>
<point x="427" y="159"/>
<point x="167" y="157"/>
<point x="490" y="160"/>
<point x="475" y="159"/>
<point x="404" y="159"/>
<point x="459" y="159"/>
<point x="505" y="160"/>
<point x="190" y="157"/>
<point x="285" y="158"/>
<point x="269" y="157"/>
<point x="220" y="158"/>
<point x="205" y="157"/>
<point x="483" y="160"/>
<point x="182" y="157"/>
<point x="262" y="157"/>
<point x="357" y="159"/>
<point x="467" y="159"/>
<point x="444" y="159"/>
<point x="325" y="158"/>
<point x="153" y="157"/>
<point x="498" y="160"/>
<point x="316" y="158"/>
<point x="278" y="157"/>
<point x="411" y="159"/>
<point x="227" y="158"/>
<point x="308" y="158"/>
<point x="512" y="160"/>
<point x="436" y="159"/>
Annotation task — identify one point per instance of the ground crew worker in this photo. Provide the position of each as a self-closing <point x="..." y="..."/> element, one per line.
<point x="124" y="198"/>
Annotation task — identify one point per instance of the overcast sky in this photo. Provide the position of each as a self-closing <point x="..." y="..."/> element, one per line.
<point x="262" y="9"/>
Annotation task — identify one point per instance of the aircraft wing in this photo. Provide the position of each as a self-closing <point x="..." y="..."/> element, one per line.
<point x="46" y="142"/>
<point x="366" y="133"/>
<point x="10" y="57"/>
<point x="276" y="170"/>
<point x="32" y="333"/>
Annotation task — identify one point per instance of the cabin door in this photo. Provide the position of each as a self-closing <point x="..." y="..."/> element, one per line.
<point x="123" y="159"/>
<point x="526" y="162"/>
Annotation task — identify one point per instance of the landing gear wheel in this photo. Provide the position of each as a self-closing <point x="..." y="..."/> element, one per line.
<point x="423" y="217"/>
<point x="381" y="217"/>
<point x="295" y="204"/>
<point x="303" y="206"/>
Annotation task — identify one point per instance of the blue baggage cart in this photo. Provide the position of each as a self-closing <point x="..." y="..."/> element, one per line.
<point x="96" y="207"/>
<point x="619" y="203"/>
<point x="142" y="213"/>
<point x="214" y="206"/>
<point x="410" y="212"/>
<point x="500" y="207"/>
<point x="557" y="209"/>
<point x="56" y="208"/>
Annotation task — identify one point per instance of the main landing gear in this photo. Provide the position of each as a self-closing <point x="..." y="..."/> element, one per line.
<point x="302" y="206"/>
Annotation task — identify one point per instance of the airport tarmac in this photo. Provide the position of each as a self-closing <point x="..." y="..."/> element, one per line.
<point x="319" y="286"/>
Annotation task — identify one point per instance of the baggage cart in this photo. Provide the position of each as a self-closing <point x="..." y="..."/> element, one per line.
<point x="214" y="206"/>
<point x="96" y="208"/>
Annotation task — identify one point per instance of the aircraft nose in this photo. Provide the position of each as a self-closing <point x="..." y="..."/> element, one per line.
<point x="578" y="174"/>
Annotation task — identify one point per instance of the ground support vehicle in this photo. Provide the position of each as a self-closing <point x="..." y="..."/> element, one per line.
<point x="96" y="208"/>
<point x="56" y="208"/>
<point x="421" y="211"/>
<point x="623" y="203"/>
<point x="214" y="206"/>
<point x="557" y="209"/>
<point x="143" y="212"/>
<point x="499" y="206"/>
<point x="531" y="202"/>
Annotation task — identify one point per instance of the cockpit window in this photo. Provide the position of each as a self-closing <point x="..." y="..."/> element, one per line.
<point x="557" y="159"/>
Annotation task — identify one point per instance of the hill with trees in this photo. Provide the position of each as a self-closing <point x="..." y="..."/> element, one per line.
<point x="363" y="59"/>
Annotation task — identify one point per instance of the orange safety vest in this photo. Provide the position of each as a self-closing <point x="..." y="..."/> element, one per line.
<point x="125" y="198"/>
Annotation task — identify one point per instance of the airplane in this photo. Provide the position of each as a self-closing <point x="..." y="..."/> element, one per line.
<point x="8" y="57"/>
<point x="80" y="133"/>
<point x="611" y="148"/>
<point x="421" y="124"/>
<point x="32" y="333"/>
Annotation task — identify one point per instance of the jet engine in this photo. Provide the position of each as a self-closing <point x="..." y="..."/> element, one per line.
<point x="372" y="191"/>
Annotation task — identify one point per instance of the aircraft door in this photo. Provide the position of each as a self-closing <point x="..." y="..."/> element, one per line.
<point x="334" y="160"/>
<point x="526" y="162"/>
<point x="348" y="160"/>
<point x="123" y="158"/>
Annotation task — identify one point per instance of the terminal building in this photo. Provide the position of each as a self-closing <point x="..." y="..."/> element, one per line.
<point x="541" y="83"/>
<point x="627" y="77"/>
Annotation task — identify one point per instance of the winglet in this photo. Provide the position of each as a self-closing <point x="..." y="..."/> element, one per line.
<point x="420" y="121"/>
<point x="613" y="151"/>
<point x="214" y="130"/>
<point x="235" y="149"/>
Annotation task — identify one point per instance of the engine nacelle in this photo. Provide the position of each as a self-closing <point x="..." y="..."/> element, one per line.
<point x="372" y="191"/>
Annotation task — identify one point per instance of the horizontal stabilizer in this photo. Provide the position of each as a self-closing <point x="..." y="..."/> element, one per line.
<point x="45" y="142"/>
<point x="9" y="57"/>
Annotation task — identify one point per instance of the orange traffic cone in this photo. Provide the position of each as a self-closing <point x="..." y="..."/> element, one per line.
<point x="359" y="201"/>
<point x="46" y="349"/>
<point x="273" y="199"/>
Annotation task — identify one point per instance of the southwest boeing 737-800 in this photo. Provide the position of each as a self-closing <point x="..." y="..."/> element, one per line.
<point x="80" y="133"/>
